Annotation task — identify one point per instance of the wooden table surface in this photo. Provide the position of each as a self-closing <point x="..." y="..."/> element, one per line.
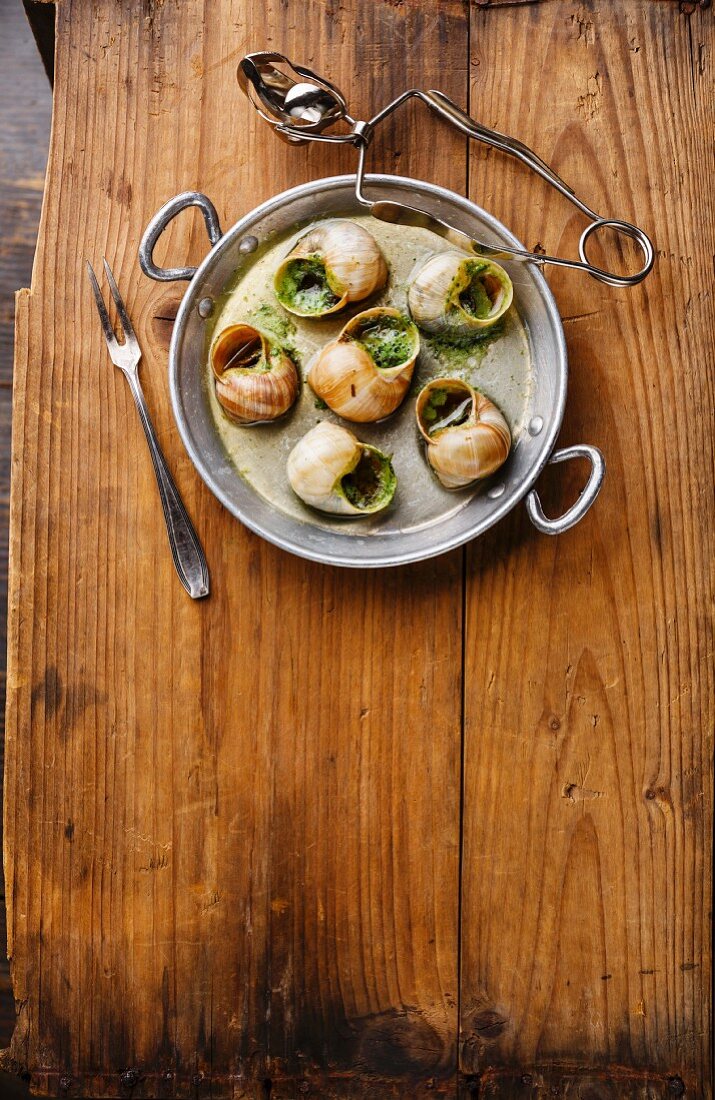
<point x="438" y="830"/>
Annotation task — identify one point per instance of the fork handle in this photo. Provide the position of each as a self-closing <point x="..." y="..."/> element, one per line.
<point x="186" y="551"/>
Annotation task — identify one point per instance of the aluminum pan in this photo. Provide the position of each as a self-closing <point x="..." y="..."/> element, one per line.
<point x="196" y="424"/>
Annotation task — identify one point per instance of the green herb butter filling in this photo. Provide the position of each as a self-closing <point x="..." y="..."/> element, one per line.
<point x="389" y="341"/>
<point x="371" y="485"/>
<point x="304" y="286"/>
<point x="480" y="295"/>
<point x="456" y="347"/>
<point x="277" y="324"/>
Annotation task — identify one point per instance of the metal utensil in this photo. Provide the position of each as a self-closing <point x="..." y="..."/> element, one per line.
<point x="186" y="549"/>
<point x="301" y="110"/>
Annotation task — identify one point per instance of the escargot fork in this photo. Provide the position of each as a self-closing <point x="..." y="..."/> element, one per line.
<point x="186" y="550"/>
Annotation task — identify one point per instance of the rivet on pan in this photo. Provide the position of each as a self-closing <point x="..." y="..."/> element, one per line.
<point x="535" y="425"/>
<point x="248" y="244"/>
<point x="206" y="307"/>
<point x="496" y="490"/>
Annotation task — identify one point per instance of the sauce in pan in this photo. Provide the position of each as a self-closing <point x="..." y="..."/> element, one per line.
<point x="497" y="363"/>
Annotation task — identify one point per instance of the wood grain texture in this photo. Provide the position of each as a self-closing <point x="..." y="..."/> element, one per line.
<point x="232" y="828"/>
<point x="233" y="833"/>
<point x="589" y="678"/>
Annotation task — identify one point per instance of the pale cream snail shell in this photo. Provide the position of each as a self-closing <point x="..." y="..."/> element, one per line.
<point x="467" y="437"/>
<point x="255" y="379"/>
<point x="364" y="374"/>
<point x="333" y="471"/>
<point x="457" y="295"/>
<point x="334" y="263"/>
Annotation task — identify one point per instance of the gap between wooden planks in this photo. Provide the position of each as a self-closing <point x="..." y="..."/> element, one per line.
<point x="233" y="831"/>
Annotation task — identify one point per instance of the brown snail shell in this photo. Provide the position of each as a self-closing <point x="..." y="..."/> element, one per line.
<point x="334" y="263"/>
<point x="467" y="436"/>
<point x="453" y="294"/>
<point x="324" y="470"/>
<point x="255" y="379"/>
<point x="347" y="376"/>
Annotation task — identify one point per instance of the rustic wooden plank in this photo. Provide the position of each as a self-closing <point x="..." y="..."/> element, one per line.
<point x="586" y="958"/>
<point x="24" y="136"/>
<point x="232" y="828"/>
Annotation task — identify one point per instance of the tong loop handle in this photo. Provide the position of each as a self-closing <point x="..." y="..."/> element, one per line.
<point x="628" y="230"/>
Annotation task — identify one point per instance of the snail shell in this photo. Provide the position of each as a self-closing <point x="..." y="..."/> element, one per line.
<point x="334" y="263"/>
<point x="457" y="295"/>
<point x="467" y="437"/>
<point x="364" y="374"/>
<point x="255" y="379"/>
<point x="333" y="471"/>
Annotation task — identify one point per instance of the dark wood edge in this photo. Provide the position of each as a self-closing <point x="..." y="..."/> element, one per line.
<point x="41" y="17"/>
<point x="534" y="1083"/>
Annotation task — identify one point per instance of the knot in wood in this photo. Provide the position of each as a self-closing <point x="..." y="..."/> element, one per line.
<point x="488" y="1024"/>
<point x="401" y="1043"/>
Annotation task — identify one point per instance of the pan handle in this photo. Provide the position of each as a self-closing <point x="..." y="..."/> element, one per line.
<point x="584" y="502"/>
<point x="158" y="224"/>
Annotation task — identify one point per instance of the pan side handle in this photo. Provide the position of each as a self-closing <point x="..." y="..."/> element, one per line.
<point x="585" y="500"/>
<point x="158" y="224"/>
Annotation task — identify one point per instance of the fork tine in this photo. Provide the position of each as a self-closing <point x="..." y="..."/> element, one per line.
<point x="121" y="310"/>
<point x="102" y="309"/>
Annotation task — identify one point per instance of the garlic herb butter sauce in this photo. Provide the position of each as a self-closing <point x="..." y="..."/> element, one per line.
<point x="497" y="363"/>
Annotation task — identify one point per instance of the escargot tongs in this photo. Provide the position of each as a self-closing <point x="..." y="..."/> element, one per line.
<point x="301" y="106"/>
